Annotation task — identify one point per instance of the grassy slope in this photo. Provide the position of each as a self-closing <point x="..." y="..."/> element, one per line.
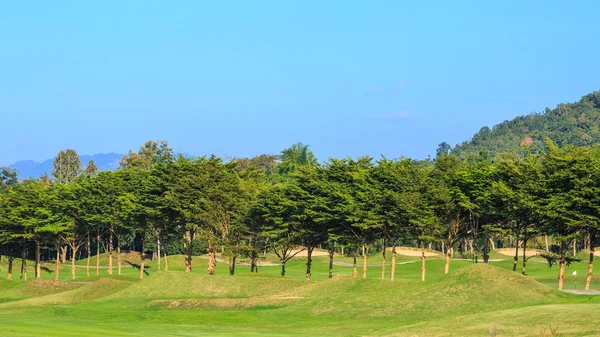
<point x="179" y="304"/>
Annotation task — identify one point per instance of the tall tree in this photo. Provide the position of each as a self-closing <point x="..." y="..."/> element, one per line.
<point x="91" y="168"/>
<point x="67" y="166"/>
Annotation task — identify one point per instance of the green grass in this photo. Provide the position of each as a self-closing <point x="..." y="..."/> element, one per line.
<point x="468" y="301"/>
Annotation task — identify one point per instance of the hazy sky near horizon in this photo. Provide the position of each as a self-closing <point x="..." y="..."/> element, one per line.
<point x="241" y="78"/>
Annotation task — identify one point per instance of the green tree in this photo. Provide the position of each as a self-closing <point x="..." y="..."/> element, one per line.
<point x="8" y="177"/>
<point x="150" y="154"/>
<point x="91" y="168"/>
<point x="67" y="166"/>
<point x="295" y="156"/>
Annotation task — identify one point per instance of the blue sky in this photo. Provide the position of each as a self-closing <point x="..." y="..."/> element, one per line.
<point x="241" y="78"/>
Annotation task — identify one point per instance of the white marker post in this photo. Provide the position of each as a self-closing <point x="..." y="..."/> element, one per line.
<point x="575" y="274"/>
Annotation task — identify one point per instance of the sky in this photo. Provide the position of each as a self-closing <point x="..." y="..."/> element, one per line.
<point x="242" y="78"/>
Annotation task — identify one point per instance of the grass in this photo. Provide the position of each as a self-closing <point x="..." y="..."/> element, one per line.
<point x="471" y="300"/>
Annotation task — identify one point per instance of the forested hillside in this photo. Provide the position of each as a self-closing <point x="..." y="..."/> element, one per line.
<point x="570" y="123"/>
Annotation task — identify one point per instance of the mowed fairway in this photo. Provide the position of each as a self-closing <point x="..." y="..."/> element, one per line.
<point x="469" y="301"/>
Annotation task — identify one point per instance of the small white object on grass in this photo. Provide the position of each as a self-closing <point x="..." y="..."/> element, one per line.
<point x="575" y="273"/>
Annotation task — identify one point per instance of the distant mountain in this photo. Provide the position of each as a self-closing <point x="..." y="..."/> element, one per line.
<point x="32" y="169"/>
<point x="569" y="123"/>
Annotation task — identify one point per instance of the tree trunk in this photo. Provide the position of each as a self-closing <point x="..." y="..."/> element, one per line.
<point x="546" y="240"/>
<point x="523" y="271"/>
<point x="190" y="237"/>
<point x="309" y="251"/>
<point x="383" y="261"/>
<point x="143" y="256"/>
<point x="331" y="253"/>
<point x="63" y="255"/>
<point x="186" y="260"/>
<point x="443" y="247"/>
<point x="448" y="255"/>
<point x="158" y="251"/>
<point x="166" y="261"/>
<point x="57" y="262"/>
<point x="38" y="267"/>
<point x="493" y="244"/>
<point x="516" y="258"/>
<point x="283" y="267"/>
<point x="574" y="247"/>
<point x="254" y="255"/>
<point x="423" y="269"/>
<point x="24" y="262"/>
<point x="393" y="271"/>
<point x="111" y="248"/>
<point x="97" y="252"/>
<point x="592" y="245"/>
<point x="232" y="265"/>
<point x="212" y="250"/>
<point x="89" y="255"/>
<point x="354" y="271"/>
<point x="73" y="254"/>
<point x="119" y="260"/>
<point x="364" y="251"/>
<point x="562" y="262"/>
<point x="10" y="268"/>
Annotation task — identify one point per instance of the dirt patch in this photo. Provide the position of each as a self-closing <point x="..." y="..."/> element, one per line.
<point x="511" y="251"/>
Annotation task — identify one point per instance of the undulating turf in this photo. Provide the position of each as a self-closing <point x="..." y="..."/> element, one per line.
<point x="473" y="300"/>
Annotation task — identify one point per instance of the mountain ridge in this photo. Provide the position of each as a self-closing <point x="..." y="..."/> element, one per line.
<point x="576" y="123"/>
<point x="32" y="169"/>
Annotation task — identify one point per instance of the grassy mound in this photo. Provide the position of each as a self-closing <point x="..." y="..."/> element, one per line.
<point x="15" y="290"/>
<point x="83" y="293"/>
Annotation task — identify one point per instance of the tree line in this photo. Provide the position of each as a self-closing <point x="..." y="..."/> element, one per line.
<point x="170" y="204"/>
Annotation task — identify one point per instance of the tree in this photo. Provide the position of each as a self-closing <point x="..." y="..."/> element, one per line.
<point x="8" y="177"/>
<point x="91" y="168"/>
<point x="270" y="213"/>
<point x="555" y="202"/>
<point x="443" y="149"/>
<point x="67" y="166"/>
<point x="515" y="194"/>
<point x="150" y="154"/>
<point x="452" y="206"/>
<point x="297" y="155"/>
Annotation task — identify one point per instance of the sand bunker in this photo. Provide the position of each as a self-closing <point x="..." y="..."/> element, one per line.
<point x="315" y="252"/>
<point x="412" y="252"/>
<point x="511" y="251"/>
